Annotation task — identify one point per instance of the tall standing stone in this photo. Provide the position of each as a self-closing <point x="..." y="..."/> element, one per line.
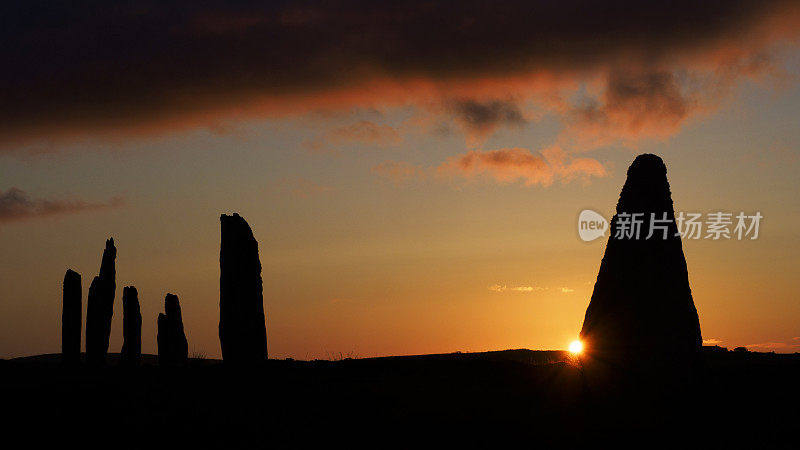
<point x="242" y="328"/>
<point x="642" y="307"/>
<point x="71" y="315"/>
<point x="100" y="307"/>
<point x="173" y="348"/>
<point x="131" y="353"/>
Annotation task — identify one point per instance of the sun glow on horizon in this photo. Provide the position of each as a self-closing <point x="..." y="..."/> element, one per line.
<point x="576" y="347"/>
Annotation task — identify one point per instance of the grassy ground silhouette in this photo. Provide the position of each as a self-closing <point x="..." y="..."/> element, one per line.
<point x="462" y="398"/>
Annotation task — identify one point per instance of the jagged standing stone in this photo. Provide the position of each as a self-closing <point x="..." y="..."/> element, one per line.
<point x="71" y="315"/>
<point x="100" y="307"/>
<point x="173" y="348"/>
<point x="642" y="306"/>
<point x="131" y="353"/>
<point x="242" y="328"/>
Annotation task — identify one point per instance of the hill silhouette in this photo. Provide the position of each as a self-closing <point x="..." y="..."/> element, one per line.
<point x="472" y="399"/>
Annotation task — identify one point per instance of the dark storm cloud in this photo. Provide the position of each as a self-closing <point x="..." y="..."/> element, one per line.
<point x="76" y="67"/>
<point x="16" y="204"/>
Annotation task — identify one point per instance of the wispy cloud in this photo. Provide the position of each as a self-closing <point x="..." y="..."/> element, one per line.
<point x="363" y="133"/>
<point x="566" y="290"/>
<point x="794" y="345"/>
<point x="711" y="342"/>
<point x="505" y="288"/>
<point x="16" y="204"/>
<point x="510" y="165"/>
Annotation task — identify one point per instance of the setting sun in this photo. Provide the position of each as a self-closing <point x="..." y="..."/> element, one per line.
<point x="576" y="347"/>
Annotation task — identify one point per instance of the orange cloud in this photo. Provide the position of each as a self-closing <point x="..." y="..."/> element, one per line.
<point x="653" y="103"/>
<point x="518" y="164"/>
<point x="632" y="107"/>
<point x="16" y="204"/>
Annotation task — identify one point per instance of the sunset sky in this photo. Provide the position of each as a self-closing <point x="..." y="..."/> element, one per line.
<point x="413" y="172"/>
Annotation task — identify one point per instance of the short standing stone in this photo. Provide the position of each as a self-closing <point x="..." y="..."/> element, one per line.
<point x="173" y="348"/>
<point x="131" y="353"/>
<point x="71" y="316"/>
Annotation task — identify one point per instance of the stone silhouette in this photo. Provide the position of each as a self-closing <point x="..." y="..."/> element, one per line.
<point x="71" y="315"/>
<point x="242" y="329"/>
<point x="131" y="353"/>
<point x="642" y="308"/>
<point x="173" y="349"/>
<point x="100" y="307"/>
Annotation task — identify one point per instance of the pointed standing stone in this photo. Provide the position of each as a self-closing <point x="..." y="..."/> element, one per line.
<point x="131" y="353"/>
<point x="71" y="315"/>
<point x="642" y="307"/>
<point x="242" y="328"/>
<point x="100" y="307"/>
<point x="173" y="348"/>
